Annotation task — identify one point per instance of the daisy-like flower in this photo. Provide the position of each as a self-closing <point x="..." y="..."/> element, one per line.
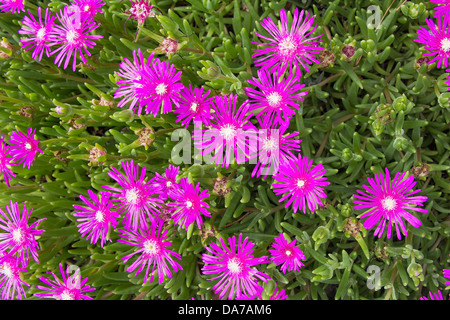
<point x="18" y="236"/>
<point x="140" y="10"/>
<point x="23" y="148"/>
<point x="73" y="37"/>
<point x="10" y="282"/>
<point x="388" y="201"/>
<point x="228" y="133"/>
<point x="301" y="183"/>
<point x="134" y="195"/>
<point x="70" y="288"/>
<point x="286" y="254"/>
<point x="194" y="105"/>
<point x="188" y="204"/>
<point x="277" y="98"/>
<point x="443" y="9"/>
<point x="152" y="250"/>
<point x="160" y="87"/>
<point x="97" y="218"/>
<point x="167" y="182"/>
<point x="12" y="6"/>
<point x="433" y="296"/>
<point x="234" y="266"/>
<point x="132" y="73"/>
<point x="436" y="40"/>
<point x="6" y="161"/>
<point x="446" y="274"/>
<point x="288" y="46"/>
<point x="39" y="32"/>
<point x="274" y="148"/>
<point x="87" y="7"/>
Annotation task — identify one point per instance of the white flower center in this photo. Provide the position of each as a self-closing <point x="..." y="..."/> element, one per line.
<point x="234" y="265"/>
<point x="7" y="270"/>
<point x="86" y="8"/>
<point x="72" y="36"/>
<point x="301" y="183"/>
<point x="99" y="216"/>
<point x="161" y="89"/>
<point x="189" y="204"/>
<point x="168" y="184"/>
<point x="67" y="295"/>
<point x="445" y="44"/>
<point x="388" y="203"/>
<point x="18" y="236"/>
<point x="27" y="146"/>
<point x="274" y="99"/>
<point x="228" y="132"/>
<point x="151" y="247"/>
<point x="270" y="144"/>
<point x="132" y="196"/>
<point x="288" y="252"/>
<point x="41" y="33"/>
<point x="287" y="46"/>
<point x="194" y="106"/>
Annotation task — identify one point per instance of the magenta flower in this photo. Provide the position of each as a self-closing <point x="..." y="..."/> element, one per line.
<point x="18" y="236"/>
<point x="97" y="218"/>
<point x="286" y="254"/>
<point x="443" y="9"/>
<point x="134" y="195"/>
<point x="194" y="105"/>
<point x="279" y="295"/>
<point x="228" y="134"/>
<point x="446" y="274"/>
<point x="234" y="267"/>
<point x="40" y="33"/>
<point x="288" y="46"/>
<point x="10" y="282"/>
<point x="23" y="148"/>
<point x="12" y="6"/>
<point x="6" y="161"/>
<point x="274" y="148"/>
<point x="188" y="204"/>
<point x="73" y="37"/>
<point x="301" y="183"/>
<point x="160" y="87"/>
<point x="436" y="40"/>
<point x="277" y="98"/>
<point x="433" y="296"/>
<point x="87" y="7"/>
<point x="132" y="72"/>
<point x="70" y="288"/>
<point x="167" y="182"/>
<point x="152" y="251"/>
<point x="388" y="202"/>
<point x="140" y="10"/>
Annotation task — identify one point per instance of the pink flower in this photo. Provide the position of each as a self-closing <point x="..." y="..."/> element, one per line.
<point x="39" y="32"/>
<point x="388" y="202"/>
<point x="288" y="46"/>
<point x="140" y="10"/>
<point x="281" y="295"/>
<point x="194" y="105"/>
<point x="301" y="183"/>
<point x="70" y="288"/>
<point x="73" y="37"/>
<point x="152" y="251"/>
<point x="18" y="236"/>
<point x="166" y="183"/>
<point x="234" y="267"/>
<point x="436" y="40"/>
<point x="433" y="296"/>
<point x="443" y="9"/>
<point x="188" y="204"/>
<point x="134" y="195"/>
<point x="6" y="161"/>
<point x="286" y="254"/>
<point x="23" y="148"/>
<point x="10" y="282"/>
<point x="97" y="218"/>
<point x="277" y="98"/>
<point x="160" y="87"/>
<point x="132" y="72"/>
<point x="230" y="129"/>
<point x="274" y="148"/>
<point x="90" y="8"/>
<point x="446" y="274"/>
<point x="12" y="6"/>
